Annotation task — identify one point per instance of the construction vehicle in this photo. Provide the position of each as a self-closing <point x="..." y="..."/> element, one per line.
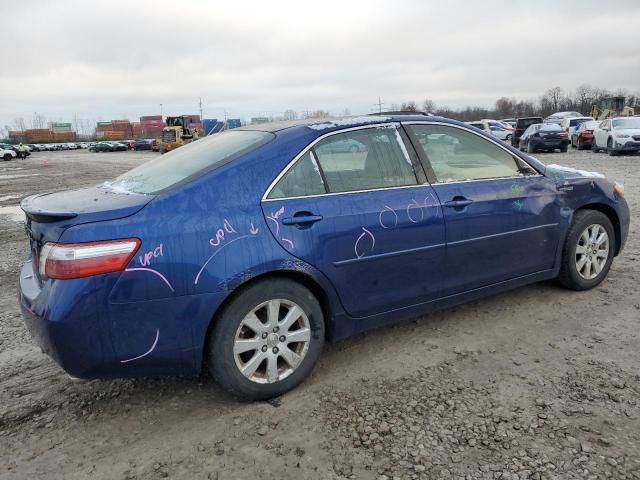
<point x="176" y="133"/>
<point x="610" y="107"/>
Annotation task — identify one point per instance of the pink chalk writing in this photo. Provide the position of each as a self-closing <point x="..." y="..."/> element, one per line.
<point x="412" y="206"/>
<point x="359" y="247"/>
<point x="388" y="218"/>
<point x="288" y="242"/>
<point x="146" y="259"/>
<point x="274" y="216"/>
<point x="155" y="342"/>
<point x="155" y="272"/>
<point x="221" y="233"/>
<point x="253" y="230"/>
<point x="218" y="250"/>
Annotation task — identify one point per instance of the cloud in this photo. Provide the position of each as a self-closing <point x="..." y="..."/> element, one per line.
<point x="123" y="58"/>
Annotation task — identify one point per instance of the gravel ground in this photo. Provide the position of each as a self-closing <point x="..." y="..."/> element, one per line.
<point x="536" y="383"/>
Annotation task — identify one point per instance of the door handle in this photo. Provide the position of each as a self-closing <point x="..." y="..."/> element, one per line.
<point x="301" y="219"/>
<point x="458" y="202"/>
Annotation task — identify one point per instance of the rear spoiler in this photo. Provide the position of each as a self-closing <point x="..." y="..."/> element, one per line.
<point x="42" y="215"/>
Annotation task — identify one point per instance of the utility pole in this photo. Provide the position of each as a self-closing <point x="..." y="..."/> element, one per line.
<point x="379" y="104"/>
<point x="201" y="109"/>
<point x="160" y="109"/>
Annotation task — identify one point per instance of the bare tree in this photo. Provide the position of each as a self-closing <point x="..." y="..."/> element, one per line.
<point x="19" y="124"/>
<point x="409" y="106"/>
<point x="428" y="106"/>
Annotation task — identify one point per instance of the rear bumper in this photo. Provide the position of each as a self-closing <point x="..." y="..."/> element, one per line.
<point x="75" y="324"/>
<point x="551" y="144"/>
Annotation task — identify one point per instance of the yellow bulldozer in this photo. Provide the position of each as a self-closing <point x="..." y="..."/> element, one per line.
<point x="176" y="133"/>
<point x="611" y="107"/>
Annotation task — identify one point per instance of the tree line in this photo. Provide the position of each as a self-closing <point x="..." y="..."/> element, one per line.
<point x="553" y="100"/>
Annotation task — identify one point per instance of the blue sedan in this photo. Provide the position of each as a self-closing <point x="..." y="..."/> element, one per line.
<point x="243" y="252"/>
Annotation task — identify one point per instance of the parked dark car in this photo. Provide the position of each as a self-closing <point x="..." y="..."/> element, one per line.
<point x="544" y="136"/>
<point x="102" y="147"/>
<point x="521" y="125"/>
<point x="142" y="145"/>
<point x="119" y="146"/>
<point x="582" y="136"/>
<point x="242" y="252"/>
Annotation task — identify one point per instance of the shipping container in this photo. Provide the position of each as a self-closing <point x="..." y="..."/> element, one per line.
<point x="151" y="117"/>
<point x="234" y="123"/>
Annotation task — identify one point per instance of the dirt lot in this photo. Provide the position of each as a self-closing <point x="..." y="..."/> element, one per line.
<point x="536" y="383"/>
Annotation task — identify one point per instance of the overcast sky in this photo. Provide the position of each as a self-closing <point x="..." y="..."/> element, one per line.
<point x="113" y="59"/>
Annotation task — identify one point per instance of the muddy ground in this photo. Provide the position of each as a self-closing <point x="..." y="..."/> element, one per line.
<point x="536" y="383"/>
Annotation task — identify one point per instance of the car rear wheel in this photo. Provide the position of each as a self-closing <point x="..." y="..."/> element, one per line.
<point x="7" y="157"/>
<point x="267" y="339"/>
<point x="588" y="251"/>
<point x="530" y="148"/>
<point x="563" y="148"/>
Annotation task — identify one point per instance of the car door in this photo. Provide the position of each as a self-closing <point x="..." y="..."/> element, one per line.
<point x="366" y="218"/>
<point x="601" y="134"/>
<point x="501" y="215"/>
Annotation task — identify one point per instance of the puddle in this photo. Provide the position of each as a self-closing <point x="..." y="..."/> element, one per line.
<point x="8" y="197"/>
<point x="14" y="213"/>
<point x="19" y="175"/>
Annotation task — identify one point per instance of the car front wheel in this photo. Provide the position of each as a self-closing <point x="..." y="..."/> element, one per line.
<point x="610" y="150"/>
<point x="530" y="148"/>
<point x="588" y="251"/>
<point x="267" y="340"/>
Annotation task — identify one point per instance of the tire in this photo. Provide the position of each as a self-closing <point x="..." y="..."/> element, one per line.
<point x="7" y="157"/>
<point x="573" y="145"/>
<point x="563" y="148"/>
<point x="508" y="139"/>
<point x="569" y="276"/>
<point x="594" y="145"/>
<point x="580" y="145"/>
<point x="610" y="150"/>
<point x="530" y="148"/>
<point x="230" y="327"/>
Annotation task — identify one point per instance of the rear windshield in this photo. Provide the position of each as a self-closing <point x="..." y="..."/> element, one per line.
<point x="551" y="127"/>
<point x="627" y="123"/>
<point x="188" y="161"/>
<point x="574" y="122"/>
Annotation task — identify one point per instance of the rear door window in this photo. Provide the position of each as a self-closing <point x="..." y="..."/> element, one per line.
<point x="460" y="155"/>
<point x="364" y="159"/>
<point x="302" y="179"/>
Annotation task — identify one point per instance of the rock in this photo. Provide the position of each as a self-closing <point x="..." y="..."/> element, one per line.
<point x="612" y="461"/>
<point x="263" y="430"/>
<point x="586" y="447"/>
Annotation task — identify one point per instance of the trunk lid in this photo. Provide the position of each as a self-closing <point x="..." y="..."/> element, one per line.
<point x="49" y="214"/>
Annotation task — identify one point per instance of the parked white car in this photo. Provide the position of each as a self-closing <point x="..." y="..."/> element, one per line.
<point x="617" y="135"/>
<point x="570" y="124"/>
<point x="7" y="154"/>
<point x="558" y="117"/>
<point x="496" y="128"/>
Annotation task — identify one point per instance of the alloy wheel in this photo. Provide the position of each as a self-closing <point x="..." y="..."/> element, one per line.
<point x="592" y="251"/>
<point x="272" y="341"/>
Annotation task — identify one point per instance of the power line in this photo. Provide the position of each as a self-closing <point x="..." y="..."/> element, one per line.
<point x="380" y="104"/>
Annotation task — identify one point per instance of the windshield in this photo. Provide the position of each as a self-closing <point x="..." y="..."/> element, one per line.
<point x="551" y="127"/>
<point x="590" y="125"/>
<point x="188" y="161"/>
<point x="627" y="123"/>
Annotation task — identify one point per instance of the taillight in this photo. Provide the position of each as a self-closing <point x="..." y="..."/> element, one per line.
<point x="563" y="134"/>
<point x="77" y="260"/>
